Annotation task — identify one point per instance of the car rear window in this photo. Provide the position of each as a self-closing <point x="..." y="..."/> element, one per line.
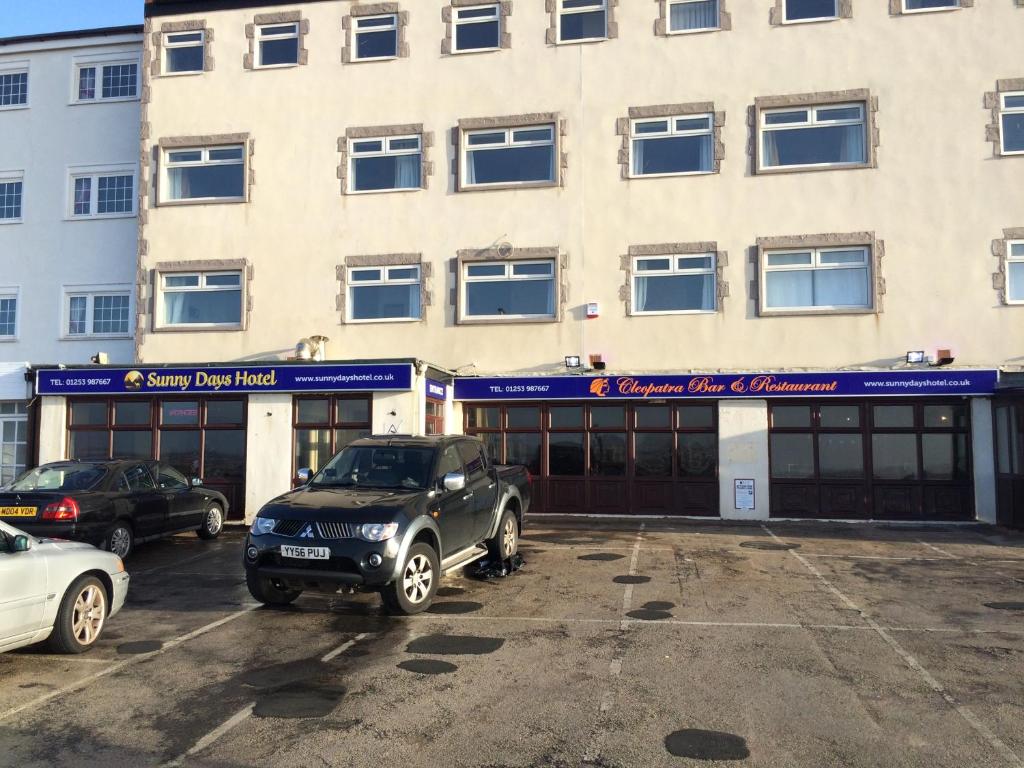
<point x="61" y="477"/>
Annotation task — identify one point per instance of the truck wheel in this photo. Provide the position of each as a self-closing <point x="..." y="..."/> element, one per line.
<point x="416" y="585"/>
<point x="506" y="542"/>
<point x="213" y="522"/>
<point x="264" y="591"/>
<point x="80" y="618"/>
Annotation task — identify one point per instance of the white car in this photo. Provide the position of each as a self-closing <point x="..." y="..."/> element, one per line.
<point x="59" y="591"/>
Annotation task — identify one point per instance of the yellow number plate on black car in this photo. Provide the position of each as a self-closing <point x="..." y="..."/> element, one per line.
<point x="18" y="511"/>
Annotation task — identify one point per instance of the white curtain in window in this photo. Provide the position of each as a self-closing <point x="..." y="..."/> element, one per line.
<point x="707" y="153"/>
<point x="789" y="289"/>
<point x="841" y="288"/>
<point x="640" y="299"/>
<point x="178" y="183"/>
<point x="770" y="153"/>
<point x="851" y="149"/>
<point x="638" y="157"/>
<point x="174" y="308"/>
<point x="702" y="15"/>
<point x="471" y="167"/>
<point x="407" y="171"/>
<point x="708" y="294"/>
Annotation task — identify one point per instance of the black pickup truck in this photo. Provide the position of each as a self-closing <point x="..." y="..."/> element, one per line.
<point x="387" y="514"/>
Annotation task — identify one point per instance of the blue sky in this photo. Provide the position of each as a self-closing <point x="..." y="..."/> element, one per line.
<point x="29" y="17"/>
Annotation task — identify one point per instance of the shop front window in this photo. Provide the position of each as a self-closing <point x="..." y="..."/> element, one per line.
<point x="322" y="426"/>
<point x="13" y="441"/>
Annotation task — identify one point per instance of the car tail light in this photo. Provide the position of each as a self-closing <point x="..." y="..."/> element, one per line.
<point x="65" y="509"/>
<point x="529" y="478"/>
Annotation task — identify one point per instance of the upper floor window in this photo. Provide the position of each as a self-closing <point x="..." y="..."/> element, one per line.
<point x="909" y="6"/>
<point x="10" y="198"/>
<point x="103" y="81"/>
<point x="1015" y="272"/>
<point x="384" y="163"/>
<point x="205" y="173"/>
<point x="509" y="156"/>
<point x="817" y="278"/>
<point x="819" y="136"/>
<point x="1011" y="126"/>
<point x="201" y="299"/>
<point x="672" y="145"/>
<point x="102" y="193"/>
<point x="384" y="293"/>
<point x="582" y="20"/>
<point x="278" y="45"/>
<point x="693" y="15"/>
<point x="13" y="87"/>
<point x="477" y="28"/>
<point x="184" y="52"/>
<point x="376" y="37"/>
<point x="508" y="290"/>
<point x="8" y="315"/>
<point x="98" y="313"/>
<point x="810" y="10"/>
<point x="673" y="284"/>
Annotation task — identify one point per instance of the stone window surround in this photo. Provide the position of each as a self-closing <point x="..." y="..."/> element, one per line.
<point x="776" y="17"/>
<point x="148" y="282"/>
<point x="474" y="255"/>
<point x="171" y="27"/>
<point x="448" y="15"/>
<point x="384" y="260"/>
<point x="819" y="98"/>
<point x="622" y="128"/>
<point x="661" y="23"/>
<point x="426" y="142"/>
<point x="175" y="142"/>
<point x="992" y="102"/>
<point x="674" y="249"/>
<point x="827" y="240"/>
<point x="282" y="17"/>
<point x="374" y="9"/>
<point x="896" y="8"/>
<point x="551" y="36"/>
<point x="512" y="121"/>
<point x="1000" y="251"/>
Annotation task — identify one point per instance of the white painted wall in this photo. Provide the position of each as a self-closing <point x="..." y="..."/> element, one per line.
<point x="268" y="447"/>
<point x="397" y="412"/>
<point x="743" y="454"/>
<point x="52" y="429"/>
<point x="983" y="451"/>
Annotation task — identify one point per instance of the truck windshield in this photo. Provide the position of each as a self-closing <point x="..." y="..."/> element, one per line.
<point x="60" y="477"/>
<point x="371" y="466"/>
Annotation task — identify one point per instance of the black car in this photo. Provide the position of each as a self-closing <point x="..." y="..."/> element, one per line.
<point x="111" y="504"/>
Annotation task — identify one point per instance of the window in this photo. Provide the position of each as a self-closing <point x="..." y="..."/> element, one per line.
<point x="13" y="87"/>
<point x="13" y="440"/>
<point x="98" y="313"/>
<point x="278" y="45"/>
<point x="201" y="299"/>
<point x="102" y="194"/>
<point x="672" y="145"/>
<point x="509" y="290"/>
<point x="205" y="173"/>
<point x="107" y="81"/>
<point x="810" y="10"/>
<point x="832" y="135"/>
<point x="582" y="20"/>
<point x="10" y="199"/>
<point x="477" y="28"/>
<point x="909" y="6"/>
<point x="172" y="479"/>
<point x="473" y="460"/>
<point x="325" y="425"/>
<point x="385" y="163"/>
<point x="509" y="156"/>
<point x="692" y="15"/>
<point x="820" y="278"/>
<point x="8" y="316"/>
<point x="376" y="37"/>
<point x="384" y="293"/>
<point x="1011" y="125"/>
<point x="136" y="479"/>
<point x="184" y="52"/>
<point x="664" y="284"/>
<point x="1015" y="272"/>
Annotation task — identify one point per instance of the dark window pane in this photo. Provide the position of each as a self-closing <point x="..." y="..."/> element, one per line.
<point x="188" y="59"/>
<point x="566" y="416"/>
<point x="809" y="9"/>
<point x="1013" y="132"/>
<point x="493" y="442"/>
<point x="353" y="411"/>
<point x="523" y="448"/>
<point x="672" y="293"/>
<point x="523" y="418"/>
<point x="279" y="51"/>
<point x="653" y="454"/>
<point x="608" y="454"/>
<point x="179" y="412"/>
<point x="945" y="457"/>
<point x="89" y="414"/>
<point x="180" y="449"/>
<point x="792" y="456"/>
<point x="388" y="172"/>
<point x="945" y="416"/>
<point x="840" y="456"/>
<point x="313" y="411"/>
<point x="696" y="417"/>
<point x="698" y="456"/>
<point x="894" y="416"/>
<point x="472" y="459"/>
<point x="133" y="445"/>
<point x="225" y="412"/>
<point x="580" y="26"/>
<point x="840" y="416"/>
<point x="469" y="37"/>
<point x="343" y="437"/>
<point x="511" y="164"/>
<point x="791" y="416"/>
<point x="225" y="456"/>
<point x="206" y="181"/>
<point x="375" y="45"/>
<point x="312" y="448"/>
<point x="608" y="417"/>
<point x="89" y="445"/>
<point x="483" y="417"/>
<point x="674" y="154"/>
<point x="511" y="297"/>
<point x="894" y="457"/>
<point x="811" y="146"/>
<point x="566" y="453"/>
<point x="386" y="302"/>
<point x="132" y="414"/>
<point x="654" y="417"/>
<point x="170" y="478"/>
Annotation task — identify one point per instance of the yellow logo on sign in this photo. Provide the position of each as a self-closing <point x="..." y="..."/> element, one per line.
<point x="133" y="380"/>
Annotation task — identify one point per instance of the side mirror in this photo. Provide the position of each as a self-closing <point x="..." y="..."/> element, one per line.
<point x="21" y="544"/>
<point x="197" y="481"/>
<point x="305" y="474"/>
<point x="454" y="481"/>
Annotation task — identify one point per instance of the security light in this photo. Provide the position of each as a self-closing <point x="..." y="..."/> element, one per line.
<point x="915" y="357"/>
<point x="572" y="361"/>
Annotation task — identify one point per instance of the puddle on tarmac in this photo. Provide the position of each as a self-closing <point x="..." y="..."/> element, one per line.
<point x="455" y="645"/>
<point x="647" y="615"/>
<point x="455" y="607"/>
<point x="768" y="546"/>
<point x="659" y="605"/>
<point x="298" y="701"/>
<point x="428" y="666"/>
<point x="450" y="591"/>
<point x="631" y="579"/>
<point x="1006" y="606"/>
<point x="602" y="557"/>
<point x="278" y="675"/>
<point x="706" y="745"/>
<point x="140" y="646"/>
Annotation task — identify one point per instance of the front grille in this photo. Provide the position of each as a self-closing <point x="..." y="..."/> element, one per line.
<point x="288" y="527"/>
<point x="337" y="530"/>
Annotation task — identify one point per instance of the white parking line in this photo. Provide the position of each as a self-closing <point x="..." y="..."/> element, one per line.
<point x="969" y="717"/>
<point x="942" y="552"/>
<point x="192" y="559"/>
<point x="875" y="557"/>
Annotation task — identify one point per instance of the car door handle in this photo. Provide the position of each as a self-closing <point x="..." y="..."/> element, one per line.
<point x="468" y="496"/>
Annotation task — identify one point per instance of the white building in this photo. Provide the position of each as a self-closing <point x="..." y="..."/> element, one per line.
<point x="69" y="143"/>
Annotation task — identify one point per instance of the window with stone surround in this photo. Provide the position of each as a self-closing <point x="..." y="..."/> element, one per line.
<point x="1008" y="279"/>
<point x="475" y="28"/>
<point x="911" y="7"/>
<point x="581" y="21"/>
<point x="510" y="285"/>
<point x="198" y="170"/>
<point x="1011" y="123"/>
<point x="375" y="32"/>
<point x="381" y="288"/>
<point x="673" y="284"/>
<point x="385" y="158"/>
<point x="182" y="48"/>
<point x="276" y="40"/>
<point x="509" y="152"/>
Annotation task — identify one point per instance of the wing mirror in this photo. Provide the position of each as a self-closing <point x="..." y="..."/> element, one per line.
<point x="21" y="543"/>
<point x="197" y="481"/>
<point x="304" y="475"/>
<point x="454" y="481"/>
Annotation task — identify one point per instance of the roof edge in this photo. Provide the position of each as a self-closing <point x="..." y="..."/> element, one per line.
<point x="185" y="7"/>
<point x="74" y="34"/>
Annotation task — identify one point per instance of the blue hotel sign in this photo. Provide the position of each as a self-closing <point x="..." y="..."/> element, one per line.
<point x="730" y="385"/>
<point x="240" y="379"/>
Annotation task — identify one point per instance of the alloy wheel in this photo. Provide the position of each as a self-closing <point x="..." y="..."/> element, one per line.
<point x="417" y="579"/>
<point x="89" y="614"/>
<point x="214" y="520"/>
<point x="120" y="541"/>
<point x="508" y="538"/>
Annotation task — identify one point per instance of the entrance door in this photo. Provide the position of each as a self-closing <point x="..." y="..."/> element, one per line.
<point x="1009" y="429"/>
<point x="13" y="441"/>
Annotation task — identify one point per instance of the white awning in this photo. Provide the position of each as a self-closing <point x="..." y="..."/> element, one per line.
<point x="12" y="382"/>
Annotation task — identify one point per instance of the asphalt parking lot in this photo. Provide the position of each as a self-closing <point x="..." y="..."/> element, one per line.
<point x="671" y="645"/>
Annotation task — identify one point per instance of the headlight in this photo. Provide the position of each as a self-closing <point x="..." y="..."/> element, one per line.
<point x="120" y="565"/>
<point x="378" y="531"/>
<point x="263" y="525"/>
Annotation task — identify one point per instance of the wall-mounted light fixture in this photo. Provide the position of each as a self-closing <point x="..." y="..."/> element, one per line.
<point x="572" y="361"/>
<point x="915" y="357"/>
<point x="100" y="358"/>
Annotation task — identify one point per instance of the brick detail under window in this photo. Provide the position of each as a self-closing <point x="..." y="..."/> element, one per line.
<point x="147" y="281"/>
<point x="896" y="7"/>
<point x="509" y="253"/>
<point x="408" y="129"/>
<point x="551" y="36"/>
<point x="993" y="104"/>
<point x="670" y="110"/>
<point x="674" y="249"/>
<point x="448" y="15"/>
<point x="1000" y="251"/>
<point x="661" y="23"/>
<point x="776" y="15"/>
<point x="513" y="121"/>
<point x="284" y="17"/>
<point x="374" y="9"/>
<point x="826" y="240"/>
<point x="385" y="260"/>
<point x="170" y="27"/>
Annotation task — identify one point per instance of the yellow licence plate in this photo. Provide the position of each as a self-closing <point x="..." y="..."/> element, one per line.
<point x="18" y="511"/>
